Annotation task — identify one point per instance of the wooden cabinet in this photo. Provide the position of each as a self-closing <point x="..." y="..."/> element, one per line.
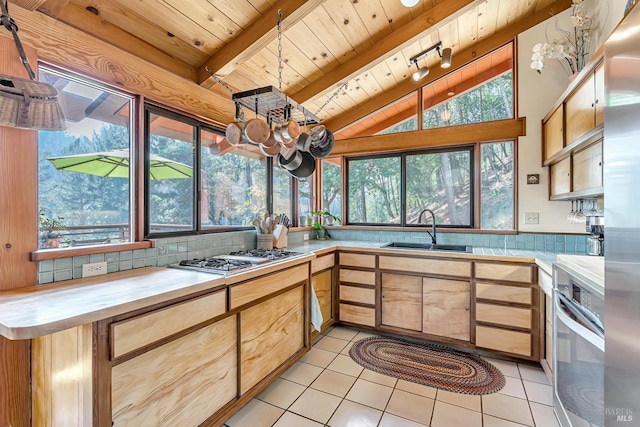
<point x="572" y="134"/>
<point x="270" y="333"/>
<point x="401" y="301"/>
<point x="446" y="308"/>
<point x="553" y="133"/>
<point x="182" y="382"/>
<point x="357" y="289"/>
<point x="324" y="284"/>
<point x="507" y="309"/>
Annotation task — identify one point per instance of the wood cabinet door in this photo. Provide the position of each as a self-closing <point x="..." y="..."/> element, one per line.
<point x="446" y="308"/>
<point x="560" y="176"/>
<point x="600" y="101"/>
<point x="580" y="110"/>
<point x="402" y="301"/>
<point x="321" y="283"/>
<point x="587" y="168"/>
<point x="270" y="333"/>
<point x="553" y="131"/>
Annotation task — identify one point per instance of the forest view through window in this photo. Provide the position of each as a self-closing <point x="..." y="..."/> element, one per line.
<point x="84" y="180"/>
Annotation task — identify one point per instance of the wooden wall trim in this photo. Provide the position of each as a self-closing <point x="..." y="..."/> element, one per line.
<point x="69" y="48"/>
<point x="18" y="237"/>
<point x="430" y="138"/>
<point x="460" y="59"/>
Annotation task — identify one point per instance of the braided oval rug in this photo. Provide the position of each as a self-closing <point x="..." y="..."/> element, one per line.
<point x="429" y="364"/>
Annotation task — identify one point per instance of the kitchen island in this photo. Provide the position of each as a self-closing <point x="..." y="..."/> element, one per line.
<point x="157" y="346"/>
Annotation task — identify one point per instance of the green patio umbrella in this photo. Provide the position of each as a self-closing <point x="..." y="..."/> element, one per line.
<point x="115" y="164"/>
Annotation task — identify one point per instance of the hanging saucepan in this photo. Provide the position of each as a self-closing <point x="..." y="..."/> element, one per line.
<point x="292" y="162"/>
<point x="323" y="149"/>
<point x="270" y="151"/>
<point x="306" y="168"/>
<point x="286" y="133"/>
<point x="317" y="134"/>
<point x="234" y="133"/>
<point x="304" y="142"/>
<point x="271" y="141"/>
<point x="256" y="131"/>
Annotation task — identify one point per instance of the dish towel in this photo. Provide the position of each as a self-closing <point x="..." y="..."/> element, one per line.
<point x="316" y="314"/>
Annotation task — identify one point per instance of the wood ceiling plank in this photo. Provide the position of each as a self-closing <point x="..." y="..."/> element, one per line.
<point x="207" y="17"/>
<point x="267" y="61"/>
<point x="373" y="16"/>
<point x="120" y="16"/>
<point x="487" y="18"/>
<point x="241" y="12"/>
<point x="390" y="45"/>
<point x="398" y="66"/>
<point x="460" y="60"/>
<point x="165" y="16"/>
<point x="262" y="6"/>
<point x="525" y="8"/>
<point x="53" y="7"/>
<point x="439" y="137"/>
<point x="293" y="57"/>
<point x="542" y="4"/>
<point x="507" y="13"/>
<point x="349" y="23"/>
<point x="330" y="38"/>
<point x="255" y="37"/>
<point x="383" y="75"/>
<point x="396" y="13"/>
<point x="468" y="27"/>
<point x="61" y="44"/>
<point x="80" y="18"/>
<point x="28" y="4"/>
<point x="369" y="84"/>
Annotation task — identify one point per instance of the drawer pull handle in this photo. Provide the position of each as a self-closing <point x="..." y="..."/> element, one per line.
<point x="467" y="308"/>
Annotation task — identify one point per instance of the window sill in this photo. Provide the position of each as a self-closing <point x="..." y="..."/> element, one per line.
<point x="44" y="254"/>
<point x="421" y="228"/>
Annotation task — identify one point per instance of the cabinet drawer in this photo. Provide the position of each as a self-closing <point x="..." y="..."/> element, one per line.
<point x="143" y="330"/>
<point x="428" y="266"/>
<point x="503" y="340"/>
<point x="587" y="168"/>
<point x="358" y="260"/>
<point x="354" y="294"/>
<point x="501" y="315"/>
<point x="355" y="276"/>
<point x="360" y="315"/>
<point x="560" y="176"/>
<point x="521" y="295"/>
<point x="322" y="263"/>
<point x="512" y="272"/>
<point x="553" y="133"/>
<point x="246" y="292"/>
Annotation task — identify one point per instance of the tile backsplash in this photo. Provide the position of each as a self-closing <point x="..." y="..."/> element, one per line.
<point x="175" y="249"/>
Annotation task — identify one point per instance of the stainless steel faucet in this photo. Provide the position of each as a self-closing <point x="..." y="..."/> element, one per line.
<point x="433" y="224"/>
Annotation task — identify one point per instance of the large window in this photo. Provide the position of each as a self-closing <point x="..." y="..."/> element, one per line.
<point x="282" y="191"/>
<point x="332" y="186"/>
<point x="395" y="190"/>
<point x="306" y="196"/>
<point x="84" y="180"/>
<point x="232" y="185"/>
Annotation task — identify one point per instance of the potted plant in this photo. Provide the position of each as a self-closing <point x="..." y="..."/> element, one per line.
<point x="49" y="230"/>
<point x="329" y="219"/>
<point x="318" y="225"/>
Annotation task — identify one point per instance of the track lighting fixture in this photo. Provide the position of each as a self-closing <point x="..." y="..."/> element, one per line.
<point x="409" y="3"/>
<point x="445" y="60"/>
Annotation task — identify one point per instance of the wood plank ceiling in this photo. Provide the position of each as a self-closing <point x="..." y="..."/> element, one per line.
<point x="325" y="43"/>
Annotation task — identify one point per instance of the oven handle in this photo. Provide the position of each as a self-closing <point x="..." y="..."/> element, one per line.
<point x="589" y="332"/>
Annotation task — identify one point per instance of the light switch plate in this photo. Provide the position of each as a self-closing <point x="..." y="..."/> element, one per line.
<point x="95" y="269"/>
<point x="531" y="218"/>
<point x="305" y="236"/>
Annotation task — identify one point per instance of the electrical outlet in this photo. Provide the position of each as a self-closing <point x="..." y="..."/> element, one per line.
<point x="305" y="236"/>
<point x="95" y="269"/>
<point x="531" y="218"/>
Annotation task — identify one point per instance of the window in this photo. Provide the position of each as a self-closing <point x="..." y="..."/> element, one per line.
<point x="332" y="186"/>
<point x="306" y="197"/>
<point x="282" y="191"/>
<point x="497" y="186"/>
<point x="169" y="171"/>
<point x="84" y="181"/>
<point x="440" y="181"/>
<point x="388" y="190"/>
<point x="232" y="181"/>
<point x="374" y="191"/>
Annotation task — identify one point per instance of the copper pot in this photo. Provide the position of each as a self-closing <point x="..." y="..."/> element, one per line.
<point x="286" y="133"/>
<point x="234" y="133"/>
<point x="256" y="131"/>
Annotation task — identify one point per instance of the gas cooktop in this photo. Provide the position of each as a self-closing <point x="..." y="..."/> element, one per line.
<point x="235" y="261"/>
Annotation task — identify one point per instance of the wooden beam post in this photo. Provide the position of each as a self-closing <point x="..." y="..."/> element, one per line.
<point x="255" y="37"/>
<point x="460" y="59"/>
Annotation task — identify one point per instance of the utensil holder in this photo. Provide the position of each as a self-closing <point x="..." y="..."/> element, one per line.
<point x="265" y="241"/>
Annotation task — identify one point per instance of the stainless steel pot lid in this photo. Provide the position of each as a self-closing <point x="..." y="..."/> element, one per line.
<point x="322" y="151"/>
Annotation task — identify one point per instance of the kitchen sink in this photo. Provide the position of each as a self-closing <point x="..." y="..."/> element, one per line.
<point x="429" y="247"/>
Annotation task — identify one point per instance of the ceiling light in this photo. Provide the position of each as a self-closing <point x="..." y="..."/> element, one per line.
<point x="420" y="73"/>
<point x="409" y="3"/>
<point x="445" y="61"/>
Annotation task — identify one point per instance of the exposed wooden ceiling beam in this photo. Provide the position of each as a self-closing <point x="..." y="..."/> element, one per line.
<point x="441" y="14"/>
<point x="97" y="27"/>
<point x="60" y="44"/>
<point x="439" y="137"/>
<point x="255" y="37"/>
<point x="53" y="7"/>
<point x="460" y="59"/>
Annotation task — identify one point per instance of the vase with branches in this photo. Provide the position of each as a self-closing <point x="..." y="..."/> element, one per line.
<point x="571" y="48"/>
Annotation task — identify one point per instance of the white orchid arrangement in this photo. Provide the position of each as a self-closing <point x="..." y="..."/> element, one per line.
<point x="572" y="48"/>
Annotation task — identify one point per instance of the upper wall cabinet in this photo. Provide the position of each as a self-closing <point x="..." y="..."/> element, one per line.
<point x="571" y="132"/>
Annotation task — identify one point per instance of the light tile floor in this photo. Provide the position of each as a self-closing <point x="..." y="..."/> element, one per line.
<point x="327" y="388"/>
